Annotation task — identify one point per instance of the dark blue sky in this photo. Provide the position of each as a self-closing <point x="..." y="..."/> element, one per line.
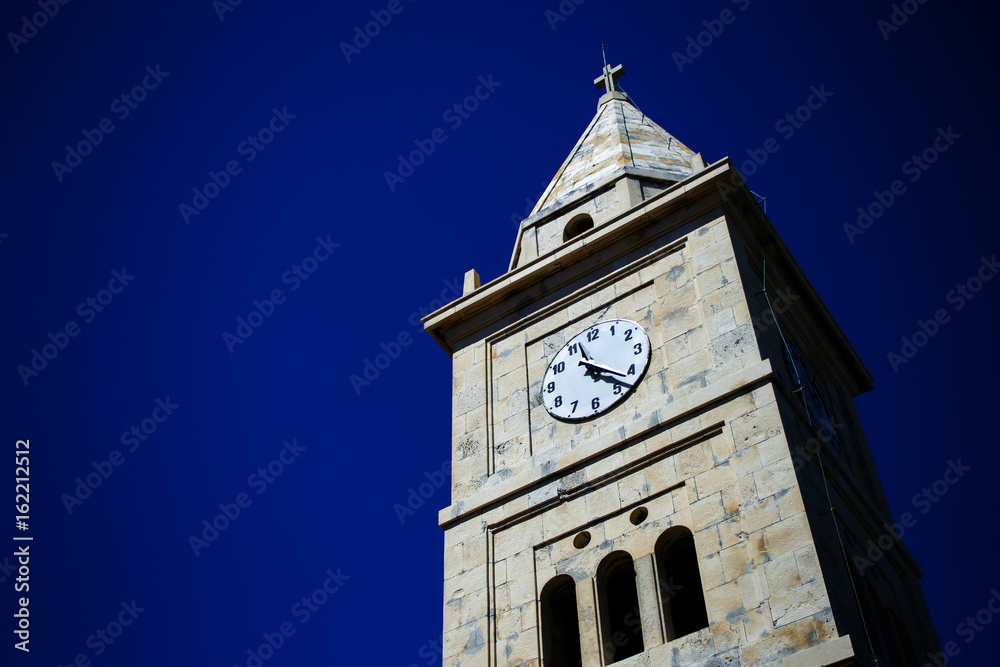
<point x="280" y="138"/>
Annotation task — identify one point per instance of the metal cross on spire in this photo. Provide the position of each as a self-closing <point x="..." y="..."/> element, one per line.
<point x="609" y="76"/>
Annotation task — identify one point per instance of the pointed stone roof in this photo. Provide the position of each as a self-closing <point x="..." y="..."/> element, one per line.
<point x="619" y="137"/>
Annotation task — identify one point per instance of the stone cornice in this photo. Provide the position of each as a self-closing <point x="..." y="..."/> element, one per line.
<point x="507" y="286"/>
<point x="659" y="420"/>
<point x="721" y="179"/>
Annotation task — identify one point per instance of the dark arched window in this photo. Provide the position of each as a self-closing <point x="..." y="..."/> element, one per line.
<point x="560" y="626"/>
<point x="577" y="226"/>
<point x="618" y="602"/>
<point x="680" y="583"/>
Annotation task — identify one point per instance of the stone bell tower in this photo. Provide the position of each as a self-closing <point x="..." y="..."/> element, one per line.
<point x="656" y="460"/>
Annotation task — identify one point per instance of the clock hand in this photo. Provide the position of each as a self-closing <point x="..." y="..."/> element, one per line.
<point x="611" y="378"/>
<point x="600" y="367"/>
<point x="583" y="351"/>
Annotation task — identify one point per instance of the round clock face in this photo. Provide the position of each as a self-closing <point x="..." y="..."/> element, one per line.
<point x="596" y="370"/>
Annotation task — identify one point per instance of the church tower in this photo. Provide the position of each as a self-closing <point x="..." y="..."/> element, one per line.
<point x="656" y="457"/>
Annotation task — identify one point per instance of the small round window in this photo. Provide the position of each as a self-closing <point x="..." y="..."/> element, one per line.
<point x="577" y="226"/>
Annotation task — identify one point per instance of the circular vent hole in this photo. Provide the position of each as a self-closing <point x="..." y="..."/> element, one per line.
<point x="638" y="515"/>
<point x="581" y="540"/>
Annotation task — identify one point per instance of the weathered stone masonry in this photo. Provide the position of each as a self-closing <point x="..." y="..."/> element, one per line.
<point x="711" y="440"/>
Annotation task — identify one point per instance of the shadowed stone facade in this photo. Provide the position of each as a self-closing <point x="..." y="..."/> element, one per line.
<point x="731" y="434"/>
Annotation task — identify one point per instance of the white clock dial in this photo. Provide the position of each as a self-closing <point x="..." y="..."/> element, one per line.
<point x="596" y="370"/>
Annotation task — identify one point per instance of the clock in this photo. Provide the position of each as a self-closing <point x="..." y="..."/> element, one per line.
<point x="595" y="370"/>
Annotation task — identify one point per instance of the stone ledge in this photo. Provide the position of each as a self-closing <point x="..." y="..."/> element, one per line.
<point x="837" y="652"/>
<point x="487" y="298"/>
<point x="676" y="411"/>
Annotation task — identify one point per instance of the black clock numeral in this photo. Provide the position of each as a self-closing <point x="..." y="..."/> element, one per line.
<point x="612" y="330"/>
<point x="638" y="348"/>
<point x="596" y="403"/>
<point x="593" y="335"/>
<point x="559" y="368"/>
<point x="550" y="387"/>
<point x="558" y="401"/>
<point x="573" y="349"/>
<point x="617" y="390"/>
<point x="628" y="334"/>
<point x="631" y="370"/>
<point x="574" y="407"/>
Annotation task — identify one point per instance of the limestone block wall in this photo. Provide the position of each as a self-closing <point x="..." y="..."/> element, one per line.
<point x="723" y="471"/>
<point x="890" y="596"/>
<point x="685" y="291"/>
<point x="544" y="232"/>
<point x="795" y="311"/>
<point x="709" y="440"/>
<point x="888" y="590"/>
<point x="602" y="206"/>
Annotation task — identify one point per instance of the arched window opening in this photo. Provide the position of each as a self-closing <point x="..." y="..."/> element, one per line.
<point x="618" y="601"/>
<point x="560" y="627"/>
<point x="680" y="583"/>
<point x="577" y="226"/>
